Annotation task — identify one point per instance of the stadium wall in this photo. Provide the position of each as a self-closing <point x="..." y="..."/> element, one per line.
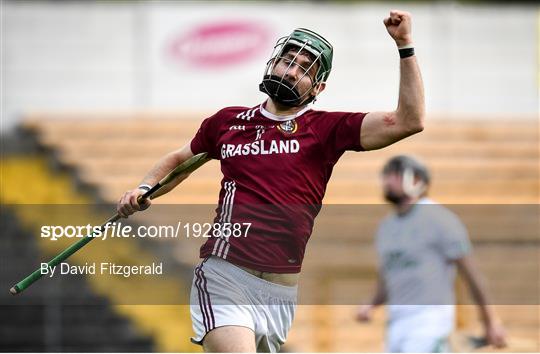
<point x="478" y="60"/>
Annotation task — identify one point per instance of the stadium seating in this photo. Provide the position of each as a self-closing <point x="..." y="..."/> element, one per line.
<point x="89" y="313"/>
<point x="472" y="162"/>
<point x="48" y="318"/>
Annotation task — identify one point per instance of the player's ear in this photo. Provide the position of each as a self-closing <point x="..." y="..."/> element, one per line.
<point x="318" y="88"/>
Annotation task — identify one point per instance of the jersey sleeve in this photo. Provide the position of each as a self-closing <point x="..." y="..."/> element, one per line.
<point x="205" y="140"/>
<point x="339" y="132"/>
<point x="453" y="238"/>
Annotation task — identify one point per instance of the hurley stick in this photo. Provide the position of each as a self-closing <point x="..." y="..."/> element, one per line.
<point x="187" y="166"/>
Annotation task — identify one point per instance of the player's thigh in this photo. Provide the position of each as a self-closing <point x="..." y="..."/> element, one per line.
<point x="230" y="339"/>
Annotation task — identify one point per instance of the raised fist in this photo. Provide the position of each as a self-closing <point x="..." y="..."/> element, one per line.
<point x="398" y="25"/>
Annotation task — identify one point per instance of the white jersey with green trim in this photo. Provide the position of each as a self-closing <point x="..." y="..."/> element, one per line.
<point x="416" y="252"/>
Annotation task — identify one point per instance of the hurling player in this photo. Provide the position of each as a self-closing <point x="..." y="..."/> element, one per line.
<point x="277" y="158"/>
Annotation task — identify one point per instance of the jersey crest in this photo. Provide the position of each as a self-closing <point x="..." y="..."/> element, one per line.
<point x="289" y="127"/>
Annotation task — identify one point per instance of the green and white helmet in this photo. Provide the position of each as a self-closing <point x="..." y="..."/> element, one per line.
<point x="414" y="173"/>
<point x="300" y="39"/>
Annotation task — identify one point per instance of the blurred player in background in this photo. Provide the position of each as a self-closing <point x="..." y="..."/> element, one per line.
<point x="419" y="247"/>
<point x="279" y="153"/>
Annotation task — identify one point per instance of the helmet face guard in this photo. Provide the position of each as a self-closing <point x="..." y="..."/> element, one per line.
<point x="285" y="92"/>
<point x="410" y="169"/>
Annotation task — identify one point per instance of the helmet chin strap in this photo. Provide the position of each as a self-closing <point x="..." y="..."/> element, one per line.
<point x="410" y="188"/>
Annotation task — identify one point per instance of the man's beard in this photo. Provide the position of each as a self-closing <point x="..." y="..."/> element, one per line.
<point x="283" y="91"/>
<point x="395" y="198"/>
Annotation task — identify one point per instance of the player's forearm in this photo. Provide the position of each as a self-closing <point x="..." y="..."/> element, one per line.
<point x="480" y="298"/>
<point x="378" y="299"/>
<point x="165" y="165"/>
<point x="161" y="168"/>
<point x="410" y="111"/>
<point x="411" y="106"/>
<point x="380" y="295"/>
<point x="487" y="315"/>
<point x="477" y="289"/>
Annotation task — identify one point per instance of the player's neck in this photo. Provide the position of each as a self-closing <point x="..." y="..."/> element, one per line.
<point x="405" y="207"/>
<point x="281" y="110"/>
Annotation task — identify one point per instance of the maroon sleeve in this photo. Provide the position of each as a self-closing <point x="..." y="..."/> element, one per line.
<point x="206" y="138"/>
<point x="339" y="132"/>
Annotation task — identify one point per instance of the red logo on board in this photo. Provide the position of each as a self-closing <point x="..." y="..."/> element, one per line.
<point x="220" y="44"/>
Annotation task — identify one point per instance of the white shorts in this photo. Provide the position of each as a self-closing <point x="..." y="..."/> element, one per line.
<point x="223" y="294"/>
<point x="425" y="329"/>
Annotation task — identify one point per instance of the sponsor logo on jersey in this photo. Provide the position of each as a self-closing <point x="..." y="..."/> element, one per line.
<point x="399" y="260"/>
<point x="288" y="127"/>
<point x="260" y="131"/>
<point x="260" y="147"/>
<point x="237" y="127"/>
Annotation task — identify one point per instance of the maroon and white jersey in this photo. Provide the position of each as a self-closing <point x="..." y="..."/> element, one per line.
<point x="275" y="171"/>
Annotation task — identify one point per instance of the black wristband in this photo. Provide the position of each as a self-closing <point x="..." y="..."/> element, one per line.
<point x="406" y="52"/>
